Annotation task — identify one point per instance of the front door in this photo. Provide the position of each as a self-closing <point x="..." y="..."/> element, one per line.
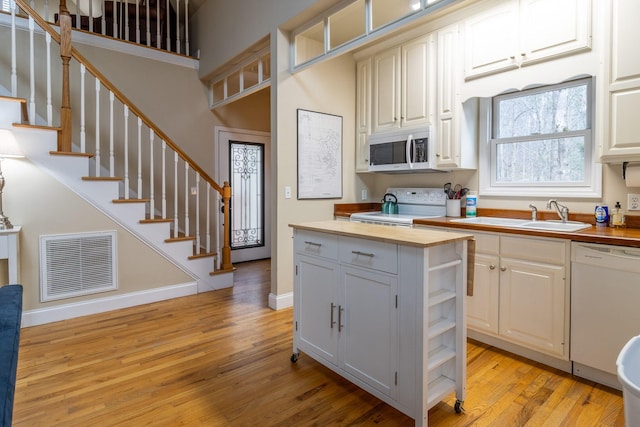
<point x="244" y="162"/>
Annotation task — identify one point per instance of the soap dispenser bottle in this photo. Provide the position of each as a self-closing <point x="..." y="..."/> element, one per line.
<point x="617" y="218"/>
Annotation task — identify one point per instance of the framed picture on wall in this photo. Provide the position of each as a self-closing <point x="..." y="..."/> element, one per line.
<point x="319" y="155"/>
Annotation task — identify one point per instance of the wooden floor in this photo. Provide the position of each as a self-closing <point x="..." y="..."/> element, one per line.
<point x="222" y="359"/>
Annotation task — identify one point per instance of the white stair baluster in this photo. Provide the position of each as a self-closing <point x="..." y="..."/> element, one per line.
<point x="78" y="15"/>
<point x="139" y="158"/>
<point x="168" y="21"/>
<point x="175" y="195"/>
<point x="14" y="73"/>
<point x="164" y="179"/>
<point x="137" y="22"/>
<point x="83" y="136"/>
<point x="158" y="38"/>
<point x="32" y="75"/>
<point x="103" y="27"/>
<point x="147" y="26"/>
<point x="186" y="199"/>
<point x="186" y="27"/>
<point x="49" y="105"/>
<point x="126" y="20"/>
<point x="152" y="208"/>
<point x="97" y="153"/>
<point x="126" y="151"/>
<point x="197" y="214"/>
<point x="111" y="148"/>
<point x="115" y="19"/>
<point x="208" y="219"/>
<point x="46" y="11"/>
<point x="91" y="16"/>
<point x="177" y="26"/>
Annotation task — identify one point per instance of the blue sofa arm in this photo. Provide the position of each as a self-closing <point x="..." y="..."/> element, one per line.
<point x="10" y="317"/>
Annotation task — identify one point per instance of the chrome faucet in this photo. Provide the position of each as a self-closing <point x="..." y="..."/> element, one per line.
<point x="534" y="212"/>
<point x="562" y="210"/>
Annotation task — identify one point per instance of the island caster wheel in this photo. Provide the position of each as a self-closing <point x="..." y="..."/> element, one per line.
<point x="294" y="357"/>
<point x="458" y="407"/>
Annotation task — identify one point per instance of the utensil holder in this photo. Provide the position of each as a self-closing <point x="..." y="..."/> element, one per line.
<point x="453" y="207"/>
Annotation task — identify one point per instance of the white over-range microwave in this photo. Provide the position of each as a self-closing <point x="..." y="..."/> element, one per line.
<point x="401" y="152"/>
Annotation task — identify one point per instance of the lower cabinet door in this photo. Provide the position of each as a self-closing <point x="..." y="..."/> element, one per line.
<point x="317" y="307"/>
<point x="368" y="324"/>
<point x="532" y="305"/>
<point x="483" y="307"/>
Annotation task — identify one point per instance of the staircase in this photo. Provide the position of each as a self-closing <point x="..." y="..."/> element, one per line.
<point x="160" y="210"/>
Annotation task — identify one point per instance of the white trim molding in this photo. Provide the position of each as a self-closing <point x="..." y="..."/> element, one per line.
<point x="278" y="302"/>
<point x="100" y="305"/>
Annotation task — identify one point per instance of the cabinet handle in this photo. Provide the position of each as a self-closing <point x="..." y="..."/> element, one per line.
<point x="503" y="268"/>
<point x="492" y="267"/>
<point x="332" y="321"/>
<point x="313" y="243"/>
<point x="340" y="325"/>
<point x="362" y="253"/>
<point x="437" y="154"/>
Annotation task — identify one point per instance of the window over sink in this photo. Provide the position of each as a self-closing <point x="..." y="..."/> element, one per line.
<point x="540" y="142"/>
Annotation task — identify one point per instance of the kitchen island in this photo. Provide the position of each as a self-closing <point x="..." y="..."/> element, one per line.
<point x="385" y="308"/>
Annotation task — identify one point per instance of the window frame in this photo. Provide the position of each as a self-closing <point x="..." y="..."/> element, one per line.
<point x="591" y="187"/>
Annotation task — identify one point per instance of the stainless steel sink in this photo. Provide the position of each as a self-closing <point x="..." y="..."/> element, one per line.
<point x="550" y="225"/>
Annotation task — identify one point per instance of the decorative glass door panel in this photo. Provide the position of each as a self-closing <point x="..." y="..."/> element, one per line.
<point x="246" y="166"/>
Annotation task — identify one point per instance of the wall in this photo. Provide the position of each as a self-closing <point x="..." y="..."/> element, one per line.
<point x="328" y="87"/>
<point x="171" y="95"/>
<point x="249" y="113"/>
<point x="43" y="206"/>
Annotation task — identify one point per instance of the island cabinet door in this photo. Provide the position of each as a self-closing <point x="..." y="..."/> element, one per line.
<point x="368" y="325"/>
<point x="316" y="307"/>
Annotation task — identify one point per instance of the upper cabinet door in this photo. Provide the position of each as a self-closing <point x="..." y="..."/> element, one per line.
<point x="522" y="32"/>
<point x="491" y="40"/>
<point x="552" y="28"/>
<point x="415" y="82"/>
<point x="386" y="91"/>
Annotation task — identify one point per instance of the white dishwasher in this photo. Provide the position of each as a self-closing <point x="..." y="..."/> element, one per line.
<point x="605" y="307"/>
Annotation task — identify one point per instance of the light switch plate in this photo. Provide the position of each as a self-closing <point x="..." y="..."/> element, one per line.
<point x="633" y="202"/>
<point x="287" y="192"/>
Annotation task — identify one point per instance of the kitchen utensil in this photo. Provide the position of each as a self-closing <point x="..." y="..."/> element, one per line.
<point x="447" y="190"/>
<point x="389" y="204"/>
<point x="463" y="192"/>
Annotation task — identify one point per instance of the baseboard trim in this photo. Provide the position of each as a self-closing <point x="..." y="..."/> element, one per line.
<point x="278" y="302"/>
<point x="100" y="305"/>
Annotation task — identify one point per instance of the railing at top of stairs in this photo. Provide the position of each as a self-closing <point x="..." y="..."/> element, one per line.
<point x="119" y="156"/>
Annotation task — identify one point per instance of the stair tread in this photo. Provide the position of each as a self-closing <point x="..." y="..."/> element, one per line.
<point x="131" y="200"/>
<point x="155" y="220"/>
<point x="102" y="178"/>
<point x="30" y="126"/>
<point x="70" y="153"/>
<point x="203" y="255"/>
<point x="23" y="106"/>
<point x="222" y="271"/>
<point x="179" y="239"/>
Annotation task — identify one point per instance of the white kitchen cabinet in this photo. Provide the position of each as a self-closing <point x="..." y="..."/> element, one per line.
<point x="456" y="123"/>
<point x="517" y="33"/>
<point x="521" y="292"/>
<point x="400" y="80"/>
<point x="363" y="114"/>
<point x="621" y="88"/>
<point x="386" y="315"/>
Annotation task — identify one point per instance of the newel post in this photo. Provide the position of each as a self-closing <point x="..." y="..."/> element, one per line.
<point x="226" y="248"/>
<point x="64" y="135"/>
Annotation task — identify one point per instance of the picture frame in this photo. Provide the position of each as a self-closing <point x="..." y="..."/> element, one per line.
<point x="319" y="157"/>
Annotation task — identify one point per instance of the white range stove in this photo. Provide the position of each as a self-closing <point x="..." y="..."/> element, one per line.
<point x="412" y="203"/>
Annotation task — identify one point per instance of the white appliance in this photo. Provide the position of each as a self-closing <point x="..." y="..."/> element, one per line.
<point x="605" y="296"/>
<point x="412" y="203"/>
<point x="401" y="152"/>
